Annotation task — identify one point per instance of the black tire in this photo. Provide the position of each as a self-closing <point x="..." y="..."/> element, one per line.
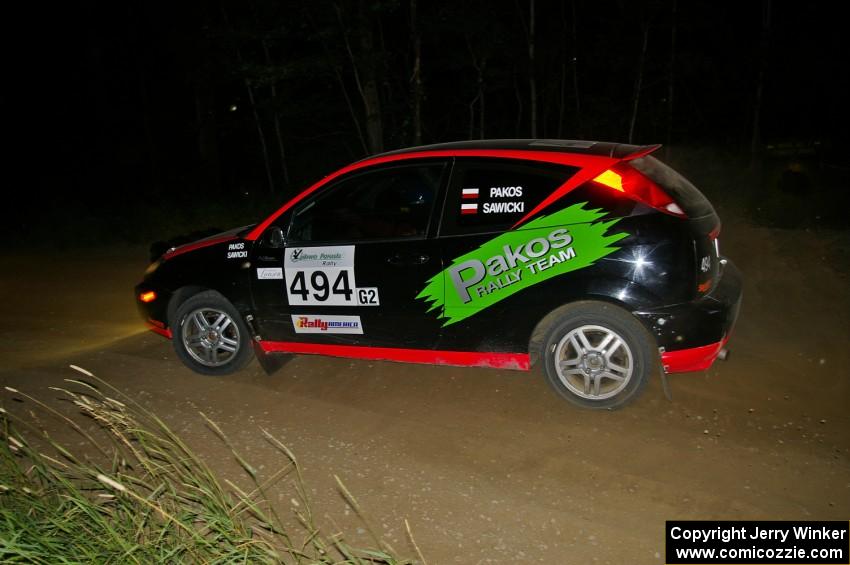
<point x="221" y="347"/>
<point x="584" y="362"/>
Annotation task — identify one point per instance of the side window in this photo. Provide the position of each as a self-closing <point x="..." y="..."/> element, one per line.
<point x="491" y="196"/>
<point x="390" y="203"/>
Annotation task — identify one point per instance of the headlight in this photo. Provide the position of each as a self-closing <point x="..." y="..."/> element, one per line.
<point x="153" y="266"/>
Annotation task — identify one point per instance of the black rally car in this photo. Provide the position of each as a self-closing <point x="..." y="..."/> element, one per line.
<point x="595" y="259"/>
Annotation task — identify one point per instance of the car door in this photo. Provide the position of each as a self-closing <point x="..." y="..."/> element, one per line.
<point x="354" y="258"/>
<point x="483" y="289"/>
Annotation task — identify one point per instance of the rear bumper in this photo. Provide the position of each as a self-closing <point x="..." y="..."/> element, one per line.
<point x="693" y="359"/>
<point x="691" y="335"/>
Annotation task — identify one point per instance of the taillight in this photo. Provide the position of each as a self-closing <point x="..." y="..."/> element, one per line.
<point x="148" y="296"/>
<point x="714" y="236"/>
<point x="634" y="185"/>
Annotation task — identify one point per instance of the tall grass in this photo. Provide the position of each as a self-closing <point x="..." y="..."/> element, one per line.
<point x="138" y="494"/>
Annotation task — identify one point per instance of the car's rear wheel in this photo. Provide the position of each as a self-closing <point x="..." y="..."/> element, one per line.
<point x="597" y="355"/>
<point x="209" y="335"/>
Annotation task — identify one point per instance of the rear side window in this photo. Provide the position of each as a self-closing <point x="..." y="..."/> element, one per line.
<point x="686" y="195"/>
<point x="491" y="196"/>
<point x="391" y="203"/>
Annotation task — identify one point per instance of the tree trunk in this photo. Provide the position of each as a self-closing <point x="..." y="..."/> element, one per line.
<point x="471" y="133"/>
<point x="372" y="101"/>
<point x="368" y="85"/>
<point x="147" y="125"/>
<point x="207" y="135"/>
<point x="638" y="81"/>
<point x="563" y="77"/>
<point x="764" y="51"/>
<point x="481" y="101"/>
<point x="416" y="78"/>
<point x="579" y="129"/>
<point x="518" y="97"/>
<point x="480" y="66"/>
<point x="532" y="82"/>
<point x="338" y="74"/>
<point x="144" y="99"/>
<point x="276" y="120"/>
<point x="258" y="124"/>
<point x="671" y="82"/>
<point x="261" y="136"/>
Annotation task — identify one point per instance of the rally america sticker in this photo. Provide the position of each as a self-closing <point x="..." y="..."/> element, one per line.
<point x="315" y="324"/>
<point x="518" y="259"/>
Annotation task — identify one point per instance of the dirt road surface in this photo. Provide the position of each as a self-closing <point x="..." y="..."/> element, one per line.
<point x="490" y="466"/>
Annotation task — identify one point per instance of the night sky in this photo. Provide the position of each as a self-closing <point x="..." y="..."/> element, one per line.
<point x="133" y="118"/>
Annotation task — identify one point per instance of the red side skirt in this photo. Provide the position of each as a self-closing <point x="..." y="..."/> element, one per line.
<point x="517" y="361"/>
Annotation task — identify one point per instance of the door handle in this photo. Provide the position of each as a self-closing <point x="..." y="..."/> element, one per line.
<point x="399" y="259"/>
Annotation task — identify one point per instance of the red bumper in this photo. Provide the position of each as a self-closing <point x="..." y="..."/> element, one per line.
<point x="694" y="359"/>
<point x="159" y="328"/>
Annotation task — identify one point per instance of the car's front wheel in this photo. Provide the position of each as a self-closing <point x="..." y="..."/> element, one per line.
<point x="210" y="336"/>
<point x="597" y="355"/>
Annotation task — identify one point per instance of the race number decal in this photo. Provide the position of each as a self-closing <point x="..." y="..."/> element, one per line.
<point x="320" y="276"/>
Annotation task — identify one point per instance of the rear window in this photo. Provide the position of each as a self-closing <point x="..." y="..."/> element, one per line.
<point x="686" y="195"/>
<point x="491" y="196"/>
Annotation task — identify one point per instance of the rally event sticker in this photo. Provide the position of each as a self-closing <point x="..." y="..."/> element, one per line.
<point x="324" y="276"/>
<point x="269" y="273"/>
<point x="316" y="324"/>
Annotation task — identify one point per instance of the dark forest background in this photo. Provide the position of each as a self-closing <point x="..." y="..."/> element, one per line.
<point x="130" y="121"/>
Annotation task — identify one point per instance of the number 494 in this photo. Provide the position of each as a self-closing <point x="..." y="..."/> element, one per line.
<point x="318" y="287"/>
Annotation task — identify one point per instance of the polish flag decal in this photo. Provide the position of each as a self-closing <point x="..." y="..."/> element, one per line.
<point x="469" y="208"/>
<point x="468" y="193"/>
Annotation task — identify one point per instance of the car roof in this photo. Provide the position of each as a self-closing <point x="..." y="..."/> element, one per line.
<point x="564" y="151"/>
<point x="601" y="148"/>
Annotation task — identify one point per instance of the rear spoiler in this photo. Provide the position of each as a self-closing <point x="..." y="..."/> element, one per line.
<point x="629" y="152"/>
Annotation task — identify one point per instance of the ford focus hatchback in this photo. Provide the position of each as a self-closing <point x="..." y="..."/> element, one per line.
<point x="594" y="261"/>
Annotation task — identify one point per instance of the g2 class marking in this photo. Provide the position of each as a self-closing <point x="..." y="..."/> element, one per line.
<point x="368" y="297"/>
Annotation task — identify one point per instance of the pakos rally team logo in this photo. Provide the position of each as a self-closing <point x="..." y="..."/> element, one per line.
<point x="546" y="247"/>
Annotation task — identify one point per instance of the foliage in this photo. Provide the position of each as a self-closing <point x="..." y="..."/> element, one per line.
<point x="140" y="495"/>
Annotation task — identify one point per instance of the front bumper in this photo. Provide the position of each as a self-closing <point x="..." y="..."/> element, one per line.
<point x="691" y="335"/>
<point x="154" y="313"/>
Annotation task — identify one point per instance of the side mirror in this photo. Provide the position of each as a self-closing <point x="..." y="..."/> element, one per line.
<point x="274" y="237"/>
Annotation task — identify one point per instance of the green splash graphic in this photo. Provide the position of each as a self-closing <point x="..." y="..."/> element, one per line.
<point x="547" y="247"/>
